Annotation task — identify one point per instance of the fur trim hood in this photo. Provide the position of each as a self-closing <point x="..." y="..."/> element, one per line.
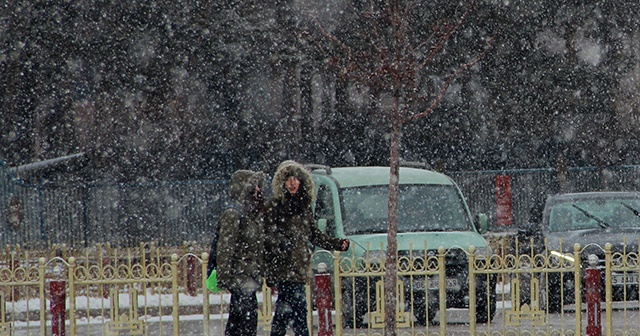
<point x="285" y="170"/>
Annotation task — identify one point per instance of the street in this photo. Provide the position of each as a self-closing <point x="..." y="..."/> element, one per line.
<point x="457" y="324"/>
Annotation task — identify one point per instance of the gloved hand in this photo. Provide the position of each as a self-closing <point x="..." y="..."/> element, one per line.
<point x="345" y="245"/>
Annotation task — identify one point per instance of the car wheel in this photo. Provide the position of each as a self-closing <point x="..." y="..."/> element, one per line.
<point x="422" y="315"/>
<point x="551" y="291"/>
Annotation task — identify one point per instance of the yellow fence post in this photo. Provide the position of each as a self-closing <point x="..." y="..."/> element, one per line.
<point x="577" y="275"/>
<point x="337" y="285"/>
<point x="607" y="289"/>
<point x="265" y="310"/>
<point x="72" y="296"/>
<point x="5" y="327"/>
<point x="442" y="290"/>
<point x="472" y="290"/>
<point x="43" y="300"/>
<point x="205" y="294"/>
<point x="176" y="296"/>
<point x="309" y="308"/>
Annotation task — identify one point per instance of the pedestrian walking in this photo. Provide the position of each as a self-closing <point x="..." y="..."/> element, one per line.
<point x="289" y="228"/>
<point x="240" y="251"/>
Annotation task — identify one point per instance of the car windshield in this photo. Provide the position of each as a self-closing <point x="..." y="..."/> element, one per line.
<point x="421" y="208"/>
<point x="594" y="213"/>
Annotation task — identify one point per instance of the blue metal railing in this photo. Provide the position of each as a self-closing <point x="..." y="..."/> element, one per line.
<point x="123" y="214"/>
<point x="172" y="212"/>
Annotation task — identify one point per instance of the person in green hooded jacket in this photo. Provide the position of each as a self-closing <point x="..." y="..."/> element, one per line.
<point x="240" y="251"/>
<point x="289" y="228"/>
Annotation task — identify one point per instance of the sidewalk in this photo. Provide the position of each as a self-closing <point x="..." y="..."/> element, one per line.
<point x="457" y="324"/>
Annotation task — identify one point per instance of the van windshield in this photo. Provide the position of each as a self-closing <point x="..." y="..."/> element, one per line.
<point x="421" y="207"/>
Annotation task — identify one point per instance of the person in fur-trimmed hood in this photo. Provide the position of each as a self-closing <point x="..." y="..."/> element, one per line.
<point x="289" y="228"/>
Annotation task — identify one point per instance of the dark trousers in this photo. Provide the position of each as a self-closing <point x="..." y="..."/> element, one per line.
<point x="243" y="314"/>
<point x="291" y="306"/>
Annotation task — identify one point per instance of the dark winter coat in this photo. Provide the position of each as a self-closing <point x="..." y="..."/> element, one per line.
<point x="289" y="230"/>
<point x="241" y="242"/>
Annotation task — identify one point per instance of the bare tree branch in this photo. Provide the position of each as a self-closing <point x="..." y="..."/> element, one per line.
<point x="449" y="31"/>
<point x="351" y="65"/>
<point x="450" y="79"/>
<point x="385" y="60"/>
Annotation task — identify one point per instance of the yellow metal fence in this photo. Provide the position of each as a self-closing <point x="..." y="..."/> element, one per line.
<point x="142" y="291"/>
<point x="505" y="293"/>
<point x="159" y="291"/>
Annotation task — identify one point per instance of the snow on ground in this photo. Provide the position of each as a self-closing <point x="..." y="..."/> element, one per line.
<point x="154" y="300"/>
<point x="148" y="300"/>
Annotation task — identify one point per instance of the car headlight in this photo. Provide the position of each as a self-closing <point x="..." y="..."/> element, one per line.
<point x="563" y="256"/>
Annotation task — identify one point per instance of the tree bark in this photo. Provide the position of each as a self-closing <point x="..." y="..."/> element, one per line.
<point x="306" y="114"/>
<point x="392" y="242"/>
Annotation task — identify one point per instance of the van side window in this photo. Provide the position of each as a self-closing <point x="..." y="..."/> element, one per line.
<point x="324" y="208"/>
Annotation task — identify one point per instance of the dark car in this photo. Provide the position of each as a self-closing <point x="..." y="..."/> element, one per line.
<point x="591" y="219"/>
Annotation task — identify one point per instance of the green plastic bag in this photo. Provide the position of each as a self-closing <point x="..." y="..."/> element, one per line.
<point x="212" y="282"/>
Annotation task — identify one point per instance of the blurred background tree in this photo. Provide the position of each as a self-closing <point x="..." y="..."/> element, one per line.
<point x="162" y="89"/>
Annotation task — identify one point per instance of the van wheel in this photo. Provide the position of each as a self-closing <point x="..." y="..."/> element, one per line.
<point x="353" y="314"/>
<point x="421" y="314"/>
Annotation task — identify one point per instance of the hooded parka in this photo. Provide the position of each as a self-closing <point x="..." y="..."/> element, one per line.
<point x="290" y="226"/>
<point x="241" y="238"/>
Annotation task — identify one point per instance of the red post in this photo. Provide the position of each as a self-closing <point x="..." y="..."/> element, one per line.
<point x="503" y="200"/>
<point x="58" y="306"/>
<point x="324" y="301"/>
<point x="593" y="297"/>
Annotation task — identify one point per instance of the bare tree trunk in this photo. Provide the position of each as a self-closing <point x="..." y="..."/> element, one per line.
<point x="392" y="242"/>
<point x="289" y="145"/>
<point x="306" y="112"/>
